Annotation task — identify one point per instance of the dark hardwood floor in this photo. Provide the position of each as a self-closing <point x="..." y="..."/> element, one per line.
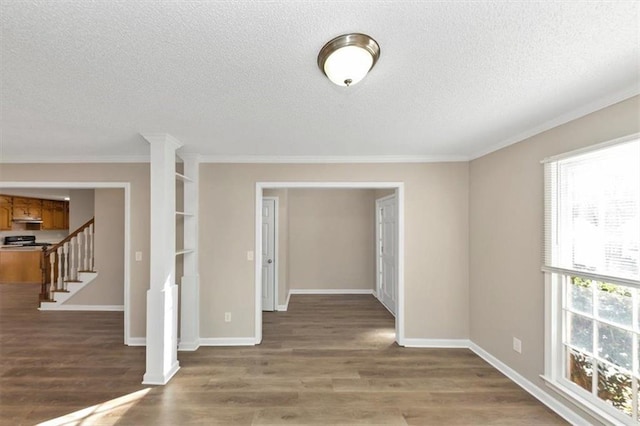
<point x="328" y="360"/>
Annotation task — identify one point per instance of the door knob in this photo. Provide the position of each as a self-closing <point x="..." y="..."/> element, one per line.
<point x="269" y="261"/>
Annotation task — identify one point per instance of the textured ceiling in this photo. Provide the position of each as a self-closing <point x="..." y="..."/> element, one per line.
<point x="239" y="78"/>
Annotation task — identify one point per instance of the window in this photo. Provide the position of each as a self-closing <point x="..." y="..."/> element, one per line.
<point x="592" y="265"/>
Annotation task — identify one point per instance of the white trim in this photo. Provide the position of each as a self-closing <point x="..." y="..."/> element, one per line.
<point x="585" y="404"/>
<point x="592" y="148"/>
<point x="330" y="291"/>
<point x="161" y="379"/>
<point x="579" y="112"/>
<point x="398" y="186"/>
<point x="137" y="341"/>
<point x="188" y="346"/>
<point x="436" y="343"/>
<point x="107" y="159"/>
<point x="334" y="159"/>
<point x="127" y="230"/>
<point x="283" y="308"/>
<point x="276" y="242"/>
<point x="596" y="277"/>
<point x="119" y="308"/>
<point x="561" y="409"/>
<point x="227" y="341"/>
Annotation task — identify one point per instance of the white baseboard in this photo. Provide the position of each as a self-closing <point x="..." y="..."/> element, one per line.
<point x="52" y="307"/>
<point x="160" y="379"/>
<point x="189" y="346"/>
<point x="137" y="341"/>
<point x="227" y="341"/>
<point x="331" y="291"/>
<point x="436" y="343"/>
<point x="562" y="410"/>
<point x="283" y="308"/>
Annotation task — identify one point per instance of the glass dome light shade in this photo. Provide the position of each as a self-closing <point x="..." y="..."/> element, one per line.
<point x="348" y="65"/>
<point x="347" y="59"/>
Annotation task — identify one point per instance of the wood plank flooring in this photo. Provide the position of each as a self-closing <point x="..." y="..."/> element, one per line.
<point x="328" y="360"/>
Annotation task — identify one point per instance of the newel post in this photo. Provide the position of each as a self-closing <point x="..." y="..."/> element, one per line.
<point x="162" y="296"/>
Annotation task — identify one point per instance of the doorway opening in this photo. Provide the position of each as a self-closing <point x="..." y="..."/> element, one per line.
<point x="394" y="188"/>
<point x="126" y="188"/>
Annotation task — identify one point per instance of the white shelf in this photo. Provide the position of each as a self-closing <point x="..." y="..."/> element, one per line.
<point x="184" y="214"/>
<point x="186" y="251"/>
<point x="183" y="178"/>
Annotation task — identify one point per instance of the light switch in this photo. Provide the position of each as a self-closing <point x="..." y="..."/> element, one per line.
<point x="250" y="255"/>
<point x="138" y="256"/>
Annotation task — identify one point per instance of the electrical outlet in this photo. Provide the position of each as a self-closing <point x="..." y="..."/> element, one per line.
<point x="517" y="345"/>
<point x="227" y="317"/>
<point x="138" y="256"/>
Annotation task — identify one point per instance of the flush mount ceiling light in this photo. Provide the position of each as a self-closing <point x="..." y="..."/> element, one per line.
<point x="347" y="59"/>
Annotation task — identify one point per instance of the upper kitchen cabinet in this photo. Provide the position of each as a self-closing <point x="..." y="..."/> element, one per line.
<point x="55" y="215"/>
<point x="6" y="213"/>
<point x="27" y="208"/>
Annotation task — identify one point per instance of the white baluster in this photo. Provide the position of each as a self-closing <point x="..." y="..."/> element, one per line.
<point x="52" y="284"/>
<point x="86" y="249"/>
<point x="65" y="251"/>
<point x="73" y="271"/>
<point x="59" y="278"/>
<point x="91" y="247"/>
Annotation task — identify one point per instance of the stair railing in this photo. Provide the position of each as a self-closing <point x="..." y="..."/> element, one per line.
<point x="62" y="262"/>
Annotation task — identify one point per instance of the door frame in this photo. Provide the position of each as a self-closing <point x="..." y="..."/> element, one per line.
<point x="399" y="188"/>
<point x="127" y="230"/>
<point x="275" y="250"/>
<point x="378" y="266"/>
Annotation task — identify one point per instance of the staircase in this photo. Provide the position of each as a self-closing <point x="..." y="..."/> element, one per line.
<point x="67" y="267"/>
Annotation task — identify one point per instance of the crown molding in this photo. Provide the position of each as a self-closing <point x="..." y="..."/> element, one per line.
<point x="340" y="159"/>
<point x="579" y="112"/>
<point x="75" y="159"/>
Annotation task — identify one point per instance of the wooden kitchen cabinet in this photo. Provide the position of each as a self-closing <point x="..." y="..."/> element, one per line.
<point x="27" y="208"/>
<point x="20" y="266"/>
<point x="6" y="213"/>
<point x="55" y="215"/>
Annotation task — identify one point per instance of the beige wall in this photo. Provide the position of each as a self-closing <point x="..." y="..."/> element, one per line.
<point x="81" y="207"/>
<point x="506" y="242"/>
<point x="331" y="239"/>
<point x="436" y="241"/>
<point x="108" y="286"/>
<point x="138" y="176"/>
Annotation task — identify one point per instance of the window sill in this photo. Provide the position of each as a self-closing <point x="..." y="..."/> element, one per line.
<point x="586" y="405"/>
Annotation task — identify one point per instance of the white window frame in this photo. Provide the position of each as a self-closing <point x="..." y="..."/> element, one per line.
<point x="555" y="359"/>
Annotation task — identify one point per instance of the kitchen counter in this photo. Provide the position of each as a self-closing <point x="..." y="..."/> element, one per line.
<point x="20" y="248"/>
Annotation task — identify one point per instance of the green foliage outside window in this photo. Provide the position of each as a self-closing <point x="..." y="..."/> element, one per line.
<point x="613" y="385"/>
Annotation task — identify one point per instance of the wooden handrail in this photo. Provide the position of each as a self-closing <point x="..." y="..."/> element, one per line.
<point x="69" y="237"/>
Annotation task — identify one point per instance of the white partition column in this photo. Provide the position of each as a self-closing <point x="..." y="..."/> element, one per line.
<point x="190" y="284"/>
<point x="162" y="296"/>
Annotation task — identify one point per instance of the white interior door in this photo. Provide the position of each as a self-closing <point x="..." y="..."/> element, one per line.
<point x="268" y="255"/>
<point x="387" y="249"/>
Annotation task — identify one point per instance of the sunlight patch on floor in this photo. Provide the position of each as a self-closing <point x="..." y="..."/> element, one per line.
<point x="106" y="413"/>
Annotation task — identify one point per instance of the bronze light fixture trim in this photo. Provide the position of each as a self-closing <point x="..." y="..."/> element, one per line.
<point x="348" y="58"/>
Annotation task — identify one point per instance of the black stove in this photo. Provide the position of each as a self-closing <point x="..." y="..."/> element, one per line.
<point x="23" y="241"/>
